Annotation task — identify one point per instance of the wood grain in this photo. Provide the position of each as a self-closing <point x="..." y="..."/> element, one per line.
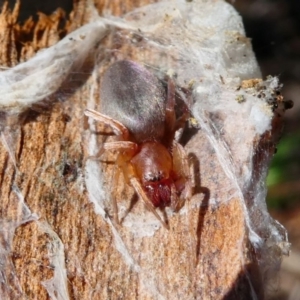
<point x="205" y="254"/>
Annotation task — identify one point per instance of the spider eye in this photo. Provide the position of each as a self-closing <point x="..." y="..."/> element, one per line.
<point x="154" y="176"/>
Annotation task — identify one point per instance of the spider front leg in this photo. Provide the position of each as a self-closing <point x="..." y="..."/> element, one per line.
<point x="171" y="123"/>
<point x="184" y="183"/>
<point x="118" y="128"/>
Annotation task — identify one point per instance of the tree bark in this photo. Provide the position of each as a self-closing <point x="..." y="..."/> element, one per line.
<point x="55" y="243"/>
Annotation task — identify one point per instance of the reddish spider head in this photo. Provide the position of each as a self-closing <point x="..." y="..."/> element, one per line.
<point x="160" y="191"/>
<point x="153" y="166"/>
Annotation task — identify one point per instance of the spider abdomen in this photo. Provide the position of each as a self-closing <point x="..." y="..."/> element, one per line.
<point x="136" y="98"/>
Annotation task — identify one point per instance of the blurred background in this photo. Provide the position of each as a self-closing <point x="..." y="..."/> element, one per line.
<point x="274" y="27"/>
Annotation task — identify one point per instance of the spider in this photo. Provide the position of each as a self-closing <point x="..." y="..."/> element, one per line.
<point x="135" y="104"/>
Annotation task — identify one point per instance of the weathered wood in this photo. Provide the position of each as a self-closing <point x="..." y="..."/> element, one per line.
<point x="206" y="253"/>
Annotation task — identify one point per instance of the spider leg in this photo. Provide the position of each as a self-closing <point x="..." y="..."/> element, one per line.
<point x="182" y="169"/>
<point x="170" y="112"/>
<point x="170" y="117"/>
<point x="175" y="200"/>
<point x="114" y="200"/>
<point x="180" y="122"/>
<point x="127" y="150"/>
<point x="171" y="123"/>
<point x="117" y="127"/>
<point x="139" y="190"/>
<point x="185" y="183"/>
<point x="124" y="146"/>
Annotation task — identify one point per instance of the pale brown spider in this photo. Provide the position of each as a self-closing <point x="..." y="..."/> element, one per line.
<point x="135" y="105"/>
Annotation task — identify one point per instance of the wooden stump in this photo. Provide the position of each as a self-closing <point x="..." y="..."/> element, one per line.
<point x="57" y="244"/>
